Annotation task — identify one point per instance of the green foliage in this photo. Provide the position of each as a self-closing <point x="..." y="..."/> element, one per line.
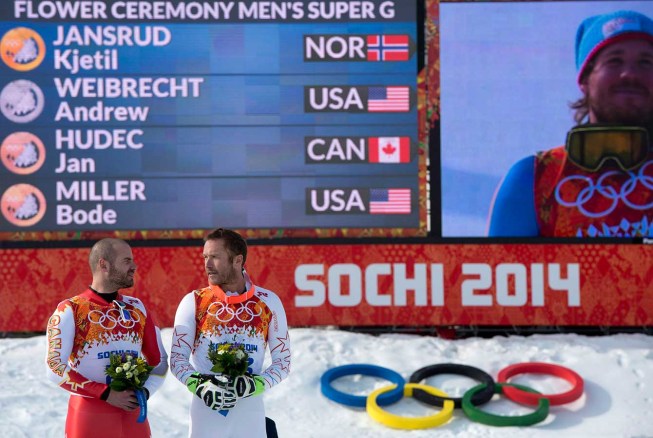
<point x="228" y="359"/>
<point x="127" y="372"/>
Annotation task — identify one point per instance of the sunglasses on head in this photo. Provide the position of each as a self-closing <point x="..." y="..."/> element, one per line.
<point x="591" y="146"/>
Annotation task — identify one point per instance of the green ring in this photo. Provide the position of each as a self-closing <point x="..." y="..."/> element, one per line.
<point x="480" y="416"/>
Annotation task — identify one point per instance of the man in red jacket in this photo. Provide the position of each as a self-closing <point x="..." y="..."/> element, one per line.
<point x="82" y="334"/>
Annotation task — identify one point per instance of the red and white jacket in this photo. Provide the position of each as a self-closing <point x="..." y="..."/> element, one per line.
<point x="85" y="330"/>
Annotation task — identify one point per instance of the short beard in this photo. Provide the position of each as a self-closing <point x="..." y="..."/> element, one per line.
<point x="606" y="112"/>
<point x="229" y="279"/>
<point x="118" y="280"/>
<point x="642" y="117"/>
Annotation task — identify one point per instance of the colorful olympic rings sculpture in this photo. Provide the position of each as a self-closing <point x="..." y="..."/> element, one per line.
<point x="356" y="401"/>
<point x="479" y="416"/>
<point x="433" y="396"/>
<point x="479" y="398"/>
<point x="398" y="422"/>
<point x="529" y="398"/>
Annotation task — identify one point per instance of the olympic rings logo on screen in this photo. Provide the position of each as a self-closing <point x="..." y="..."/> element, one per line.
<point x="606" y="191"/>
<point x="469" y="402"/>
<point x="111" y="318"/>
<point x="225" y="313"/>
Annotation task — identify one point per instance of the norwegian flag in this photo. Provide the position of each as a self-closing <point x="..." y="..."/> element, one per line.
<point x="388" y="48"/>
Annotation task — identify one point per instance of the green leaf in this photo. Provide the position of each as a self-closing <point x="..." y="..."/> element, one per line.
<point x="118" y="385"/>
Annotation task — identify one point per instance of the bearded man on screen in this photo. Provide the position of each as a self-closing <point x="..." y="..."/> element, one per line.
<point x="600" y="183"/>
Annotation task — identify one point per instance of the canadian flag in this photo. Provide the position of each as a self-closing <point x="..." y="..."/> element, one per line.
<point x="389" y="149"/>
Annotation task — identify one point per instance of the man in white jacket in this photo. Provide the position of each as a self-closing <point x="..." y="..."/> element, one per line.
<point x="230" y="310"/>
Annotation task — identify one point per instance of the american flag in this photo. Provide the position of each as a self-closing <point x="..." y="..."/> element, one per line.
<point x="387" y="48"/>
<point x="389" y="201"/>
<point x="388" y="99"/>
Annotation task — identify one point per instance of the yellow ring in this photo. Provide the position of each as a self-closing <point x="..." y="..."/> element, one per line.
<point x="409" y="423"/>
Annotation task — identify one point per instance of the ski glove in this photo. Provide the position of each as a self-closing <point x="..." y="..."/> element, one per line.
<point x="243" y="386"/>
<point x="212" y="394"/>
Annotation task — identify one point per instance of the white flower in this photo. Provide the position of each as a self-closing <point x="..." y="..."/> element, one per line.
<point x="240" y="354"/>
<point x="129" y="375"/>
<point x="118" y="370"/>
<point x="129" y="358"/>
<point x="127" y="366"/>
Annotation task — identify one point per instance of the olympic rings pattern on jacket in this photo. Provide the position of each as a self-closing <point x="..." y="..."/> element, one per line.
<point x="112" y="317"/>
<point x="607" y="192"/>
<point x="472" y="398"/>
<point x="243" y="313"/>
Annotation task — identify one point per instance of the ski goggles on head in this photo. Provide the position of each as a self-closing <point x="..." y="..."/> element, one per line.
<point x="591" y="146"/>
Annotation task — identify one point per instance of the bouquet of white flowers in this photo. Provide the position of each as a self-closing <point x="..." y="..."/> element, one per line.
<point x="228" y="359"/>
<point x="129" y="372"/>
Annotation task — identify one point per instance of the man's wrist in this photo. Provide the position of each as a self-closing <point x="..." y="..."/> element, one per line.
<point x="105" y="394"/>
<point x="192" y="382"/>
<point x="260" y="385"/>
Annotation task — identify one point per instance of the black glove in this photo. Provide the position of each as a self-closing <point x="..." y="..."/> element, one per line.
<point x="214" y="396"/>
<point x="243" y="386"/>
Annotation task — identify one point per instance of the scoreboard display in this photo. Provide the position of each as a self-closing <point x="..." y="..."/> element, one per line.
<point x="167" y="116"/>
<point x="356" y="144"/>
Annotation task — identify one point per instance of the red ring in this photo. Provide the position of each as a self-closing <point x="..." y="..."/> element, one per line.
<point x="532" y="399"/>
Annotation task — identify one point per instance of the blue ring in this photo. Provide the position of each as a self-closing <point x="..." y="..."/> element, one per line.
<point x="359" y="401"/>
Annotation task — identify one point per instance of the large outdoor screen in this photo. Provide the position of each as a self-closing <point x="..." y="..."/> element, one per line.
<point x="164" y="118"/>
<point x="508" y="74"/>
<point x="317" y="119"/>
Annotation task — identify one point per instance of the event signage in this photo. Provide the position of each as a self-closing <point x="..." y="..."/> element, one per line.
<point x="373" y="285"/>
<point x="129" y="115"/>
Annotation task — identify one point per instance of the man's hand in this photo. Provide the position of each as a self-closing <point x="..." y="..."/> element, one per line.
<point x="123" y="399"/>
<point x="244" y="386"/>
<point x="214" y="396"/>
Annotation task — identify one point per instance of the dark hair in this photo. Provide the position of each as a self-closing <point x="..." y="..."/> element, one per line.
<point x="233" y="242"/>
<point x="581" y="109"/>
<point x="581" y="106"/>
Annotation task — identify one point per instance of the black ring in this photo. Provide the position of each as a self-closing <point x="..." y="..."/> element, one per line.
<point x="479" y="375"/>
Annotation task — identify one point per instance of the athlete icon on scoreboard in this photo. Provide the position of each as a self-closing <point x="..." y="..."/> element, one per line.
<point x="23" y="205"/>
<point x="21" y="101"/>
<point x="22" y="153"/>
<point x="22" y="49"/>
